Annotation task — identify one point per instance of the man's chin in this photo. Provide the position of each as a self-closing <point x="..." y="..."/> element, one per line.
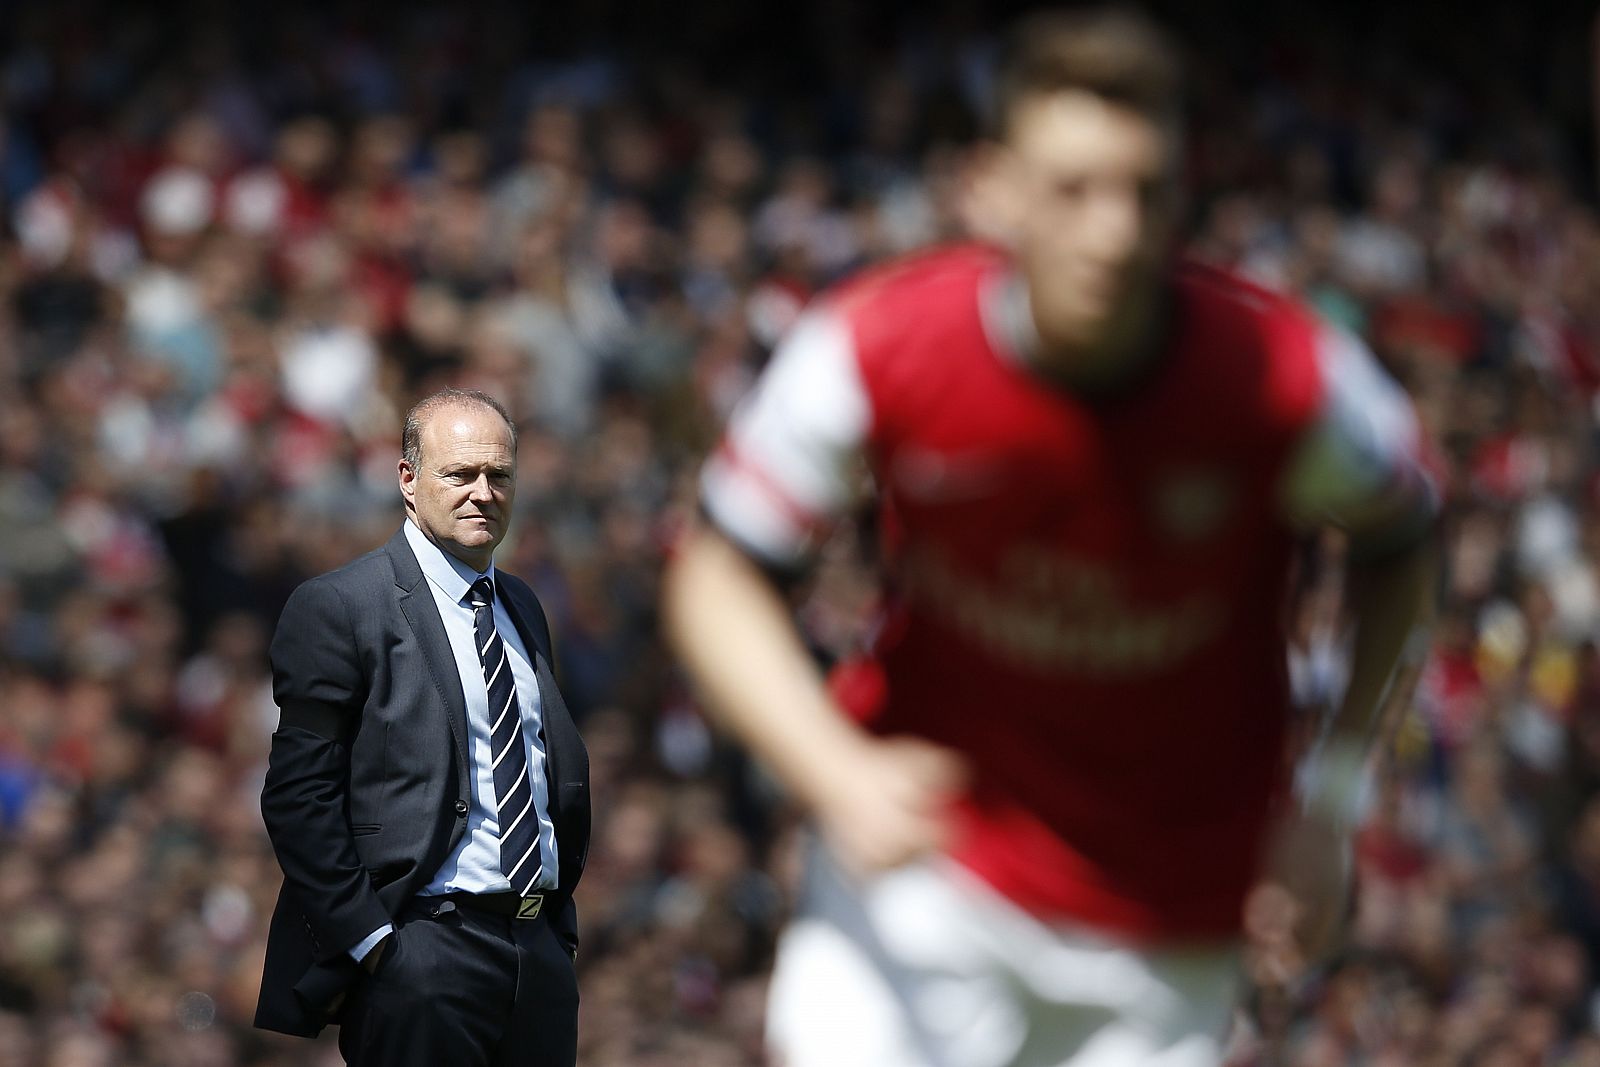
<point x="1084" y="328"/>
<point x="1092" y="322"/>
<point x="477" y="535"/>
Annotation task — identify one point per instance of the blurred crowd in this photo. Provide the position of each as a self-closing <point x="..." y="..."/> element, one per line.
<point x="231" y="257"/>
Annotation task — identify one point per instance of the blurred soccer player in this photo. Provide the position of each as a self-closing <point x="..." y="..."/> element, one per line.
<point x="1093" y="460"/>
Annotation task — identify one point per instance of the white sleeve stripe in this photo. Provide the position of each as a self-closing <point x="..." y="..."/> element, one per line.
<point x="747" y="517"/>
<point x="753" y="510"/>
<point x="729" y="462"/>
<point x="788" y="465"/>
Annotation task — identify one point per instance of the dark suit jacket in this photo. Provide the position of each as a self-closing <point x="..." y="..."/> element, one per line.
<point x="368" y="786"/>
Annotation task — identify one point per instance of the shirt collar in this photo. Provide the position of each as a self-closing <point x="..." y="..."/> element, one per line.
<point x="448" y="574"/>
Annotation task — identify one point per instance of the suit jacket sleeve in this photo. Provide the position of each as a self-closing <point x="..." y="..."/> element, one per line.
<point x="319" y="687"/>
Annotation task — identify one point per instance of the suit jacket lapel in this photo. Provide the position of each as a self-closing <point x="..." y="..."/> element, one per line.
<point x="551" y="706"/>
<point x="564" y="754"/>
<point x="423" y="615"/>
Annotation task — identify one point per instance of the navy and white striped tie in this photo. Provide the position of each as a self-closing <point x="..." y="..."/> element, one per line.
<point x="519" y="826"/>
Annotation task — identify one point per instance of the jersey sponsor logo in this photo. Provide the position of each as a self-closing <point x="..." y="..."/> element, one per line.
<point x="1055" y="614"/>
<point x="927" y="476"/>
<point x="1192" y="504"/>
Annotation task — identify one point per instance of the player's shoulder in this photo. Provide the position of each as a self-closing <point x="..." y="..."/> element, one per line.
<point x="916" y="284"/>
<point x="1247" y="333"/>
<point x="906" y="314"/>
<point x="1223" y="296"/>
<point x="946" y="263"/>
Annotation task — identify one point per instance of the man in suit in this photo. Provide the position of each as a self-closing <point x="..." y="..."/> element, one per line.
<point x="427" y="793"/>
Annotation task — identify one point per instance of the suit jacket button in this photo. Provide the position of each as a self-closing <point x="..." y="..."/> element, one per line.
<point x="461" y="807"/>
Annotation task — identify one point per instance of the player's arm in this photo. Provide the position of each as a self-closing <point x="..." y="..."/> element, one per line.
<point x="785" y="471"/>
<point x="1361" y="468"/>
<point x="878" y="802"/>
<point x="1391" y="598"/>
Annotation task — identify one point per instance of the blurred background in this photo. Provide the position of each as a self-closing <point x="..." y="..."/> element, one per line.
<point x="235" y="245"/>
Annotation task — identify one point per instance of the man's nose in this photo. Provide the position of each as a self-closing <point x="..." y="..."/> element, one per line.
<point x="481" y="490"/>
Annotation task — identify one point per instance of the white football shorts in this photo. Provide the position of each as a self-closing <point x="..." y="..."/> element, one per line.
<point x="926" y="966"/>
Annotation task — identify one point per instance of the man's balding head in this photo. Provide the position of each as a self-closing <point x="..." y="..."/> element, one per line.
<point x="458" y="472"/>
<point x="422" y="410"/>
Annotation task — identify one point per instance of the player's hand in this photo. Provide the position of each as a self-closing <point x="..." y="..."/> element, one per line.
<point x="886" y="803"/>
<point x="1310" y="859"/>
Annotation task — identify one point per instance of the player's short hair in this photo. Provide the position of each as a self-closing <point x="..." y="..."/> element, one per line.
<point x="422" y="410"/>
<point x="1113" y="52"/>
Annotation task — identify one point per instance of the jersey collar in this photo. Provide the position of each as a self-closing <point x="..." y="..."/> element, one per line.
<point x="1007" y="315"/>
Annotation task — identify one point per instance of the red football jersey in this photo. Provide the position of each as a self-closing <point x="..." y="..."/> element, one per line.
<point x="1084" y="593"/>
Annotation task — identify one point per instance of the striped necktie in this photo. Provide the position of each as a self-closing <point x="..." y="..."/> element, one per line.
<point x="519" y="826"/>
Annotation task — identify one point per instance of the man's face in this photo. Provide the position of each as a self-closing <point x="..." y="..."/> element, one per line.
<point x="1084" y="191"/>
<point x="460" y="495"/>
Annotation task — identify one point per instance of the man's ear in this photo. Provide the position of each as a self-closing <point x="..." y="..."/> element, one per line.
<point x="408" y="480"/>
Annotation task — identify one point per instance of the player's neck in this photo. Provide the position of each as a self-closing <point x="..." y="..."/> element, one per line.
<point x="1111" y="361"/>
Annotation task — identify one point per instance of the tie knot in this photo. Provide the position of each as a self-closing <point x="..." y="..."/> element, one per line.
<point x="481" y="595"/>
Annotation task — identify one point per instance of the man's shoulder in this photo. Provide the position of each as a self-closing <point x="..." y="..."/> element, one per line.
<point x="520" y="591"/>
<point x="334" y="602"/>
<point x="523" y="598"/>
<point x="367" y="572"/>
<point x="508" y="579"/>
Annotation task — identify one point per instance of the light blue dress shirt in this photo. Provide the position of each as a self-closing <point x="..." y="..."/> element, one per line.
<point x="474" y="865"/>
